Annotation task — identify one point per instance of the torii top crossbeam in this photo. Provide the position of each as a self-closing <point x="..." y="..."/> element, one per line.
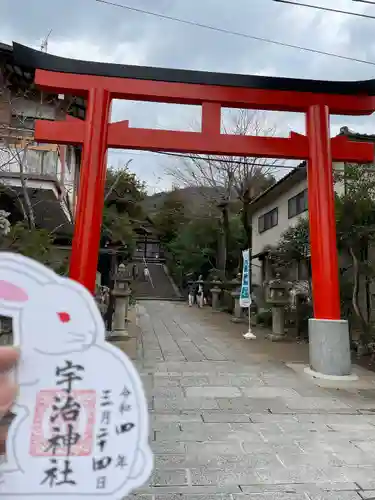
<point x="247" y="91"/>
<point x="211" y="91"/>
<point x="99" y="83"/>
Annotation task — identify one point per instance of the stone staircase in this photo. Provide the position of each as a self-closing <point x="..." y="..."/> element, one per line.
<point x="158" y="287"/>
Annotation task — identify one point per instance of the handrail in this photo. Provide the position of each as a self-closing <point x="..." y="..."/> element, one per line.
<point x="149" y="272"/>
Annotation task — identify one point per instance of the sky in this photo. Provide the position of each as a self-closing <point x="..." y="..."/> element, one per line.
<point x="88" y="30"/>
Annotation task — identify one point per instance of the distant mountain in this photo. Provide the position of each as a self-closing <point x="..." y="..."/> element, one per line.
<point x="194" y="199"/>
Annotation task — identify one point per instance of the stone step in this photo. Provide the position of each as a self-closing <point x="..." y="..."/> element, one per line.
<point x="160" y="288"/>
<point x="168" y="299"/>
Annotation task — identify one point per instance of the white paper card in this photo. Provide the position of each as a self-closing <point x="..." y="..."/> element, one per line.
<point x="81" y="426"/>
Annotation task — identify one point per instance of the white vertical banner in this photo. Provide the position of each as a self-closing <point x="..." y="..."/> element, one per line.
<point x="245" y="296"/>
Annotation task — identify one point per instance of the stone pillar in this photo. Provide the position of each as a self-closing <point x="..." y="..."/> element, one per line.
<point x="215" y="292"/>
<point x="278" y="324"/>
<point x="121" y="293"/>
<point x="329" y="349"/>
<point x="237" y="311"/>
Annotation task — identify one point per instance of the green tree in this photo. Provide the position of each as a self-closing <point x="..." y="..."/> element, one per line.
<point x="171" y="216"/>
<point x="236" y="243"/>
<point x="293" y="245"/>
<point x="34" y="243"/>
<point x="292" y="250"/>
<point x="194" y="248"/>
<point x="124" y="192"/>
<point x="226" y="180"/>
<point x="355" y="214"/>
<point x="118" y="229"/>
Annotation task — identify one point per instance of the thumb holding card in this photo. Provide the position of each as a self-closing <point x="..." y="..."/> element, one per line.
<point x="81" y="425"/>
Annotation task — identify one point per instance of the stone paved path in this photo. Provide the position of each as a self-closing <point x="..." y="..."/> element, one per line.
<point x="230" y="422"/>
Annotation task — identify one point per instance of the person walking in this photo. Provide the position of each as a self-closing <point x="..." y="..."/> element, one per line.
<point x="191" y="291"/>
<point x="200" y="293"/>
<point x="146" y="273"/>
<point x="135" y="271"/>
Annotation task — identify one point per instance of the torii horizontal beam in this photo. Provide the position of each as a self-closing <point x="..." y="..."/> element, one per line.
<point x="209" y="141"/>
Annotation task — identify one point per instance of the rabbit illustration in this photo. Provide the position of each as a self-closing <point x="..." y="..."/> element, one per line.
<point x="61" y="335"/>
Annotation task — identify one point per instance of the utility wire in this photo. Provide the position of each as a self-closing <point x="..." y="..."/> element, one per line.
<point x="203" y="158"/>
<point x="234" y="33"/>
<point x="364" y="1"/>
<point x="327" y="9"/>
<point x="220" y="160"/>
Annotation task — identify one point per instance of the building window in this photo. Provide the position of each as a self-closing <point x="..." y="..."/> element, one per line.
<point x="268" y="220"/>
<point x="297" y="204"/>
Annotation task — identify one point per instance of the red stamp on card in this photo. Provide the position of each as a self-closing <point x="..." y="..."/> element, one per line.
<point x="64" y="423"/>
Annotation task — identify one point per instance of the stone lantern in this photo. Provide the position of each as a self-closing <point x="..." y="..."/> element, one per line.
<point x="278" y="297"/>
<point x="215" y="292"/>
<point x="121" y="293"/>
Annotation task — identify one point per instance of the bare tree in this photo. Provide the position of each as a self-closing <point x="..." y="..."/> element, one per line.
<point x="13" y="147"/>
<point x="221" y="180"/>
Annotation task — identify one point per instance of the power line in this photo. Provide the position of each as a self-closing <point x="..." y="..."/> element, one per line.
<point x="234" y="33"/>
<point x="364" y="1"/>
<point x="327" y="9"/>
<point x="220" y="160"/>
<point x="196" y="157"/>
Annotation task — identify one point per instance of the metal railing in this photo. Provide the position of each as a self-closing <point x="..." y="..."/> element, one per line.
<point x="149" y="272"/>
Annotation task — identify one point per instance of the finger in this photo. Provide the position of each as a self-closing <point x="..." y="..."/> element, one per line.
<point x="8" y="357"/>
<point x="8" y="393"/>
<point x="3" y="438"/>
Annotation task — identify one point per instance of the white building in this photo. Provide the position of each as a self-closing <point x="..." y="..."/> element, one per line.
<point x="274" y="211"/>
<point x="49" y="172"/>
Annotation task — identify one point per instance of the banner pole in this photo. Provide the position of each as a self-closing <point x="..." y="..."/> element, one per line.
<point x="249" y="334"/>
<point x="245" y="296"/>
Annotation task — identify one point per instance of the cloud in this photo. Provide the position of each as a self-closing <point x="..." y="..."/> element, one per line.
<point x="89" y="30"/>
<point x="83" y="48"/>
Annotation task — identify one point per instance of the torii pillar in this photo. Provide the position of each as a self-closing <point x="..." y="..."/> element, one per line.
<point x="330" y="353"/>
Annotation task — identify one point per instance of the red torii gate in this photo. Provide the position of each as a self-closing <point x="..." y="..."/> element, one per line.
<point x="99" y="83"/>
